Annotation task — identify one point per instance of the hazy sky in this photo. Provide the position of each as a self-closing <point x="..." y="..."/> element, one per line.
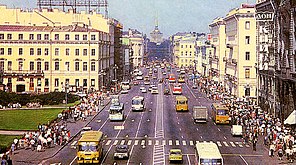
<point x="173" y="15"/>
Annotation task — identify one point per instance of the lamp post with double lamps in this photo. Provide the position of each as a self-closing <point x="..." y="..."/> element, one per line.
<point x="102" y="73"/>
<point x="115" y="67"/>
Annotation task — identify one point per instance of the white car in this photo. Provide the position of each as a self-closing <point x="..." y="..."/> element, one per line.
<point x="144" y="90"/>
<point x="154" y="90"/>
<point x="139" y="78"/>
<point x="84" y="129"/>
<point x="124" y="91"/>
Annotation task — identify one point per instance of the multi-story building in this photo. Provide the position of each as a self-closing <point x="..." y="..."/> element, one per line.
<point x="105" y="41"/>
<point x="184" y="49"/>
<point x="276" y="58"/>
<point x="203" y="53"/>
<point x="240" y="52"/>
<point x="217" y="65"/>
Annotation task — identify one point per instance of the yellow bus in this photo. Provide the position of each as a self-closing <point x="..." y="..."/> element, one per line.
<point x="90" y="149"/>
<point x="220" y="113"/>
<point x="181" y="103"/>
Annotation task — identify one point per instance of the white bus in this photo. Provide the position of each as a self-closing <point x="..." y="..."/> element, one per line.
<point x="125" y="85"/>
<point x="116" y="112"/>
<point x="208" y="154"/>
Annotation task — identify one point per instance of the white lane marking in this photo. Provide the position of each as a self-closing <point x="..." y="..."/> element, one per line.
<point x="103" y="124"/>
<point x="122" y="142"/>
<point x="73" y="144"/>
<point x="177" y="142"/>
<point x="197" y="129"/>
<point x="189" y="163"/>
<point x="142" y="113"/>
<point x="225" y="143"/>
<point x="170" y="142"/>
<point x="182" y="137"/>
<point x="108" y="142"/>
<point x="136" y="142"/>
<point x="73" y="160"/>
<point x="201" y="137"/>
<point x="243" y="159"/>
<point x="225" y="137"/>
<point x="232" y="144"/>
<point x="218" y="129"/>
<point x="191" y="142"/>
<point x="184" y="143"/>
<point x="247" y="145"/>
<point x="219" y="144"/>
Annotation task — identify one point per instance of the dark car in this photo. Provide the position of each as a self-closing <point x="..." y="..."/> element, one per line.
<point x="166" y="91"/>
<point x="194" y="87"/>
<point x="121" y="152"/>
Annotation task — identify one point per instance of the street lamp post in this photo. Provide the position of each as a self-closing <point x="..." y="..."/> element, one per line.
<point x="66" y="92"/>
<point x="102" y="73"/>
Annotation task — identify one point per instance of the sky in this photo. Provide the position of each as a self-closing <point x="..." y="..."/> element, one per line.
<point x="173" y="15"/>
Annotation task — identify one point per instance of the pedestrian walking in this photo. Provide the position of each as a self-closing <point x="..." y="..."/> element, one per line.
<point x="271" y="150"/>
<point x="254" y="144"/>
<point x="280" y="154"/>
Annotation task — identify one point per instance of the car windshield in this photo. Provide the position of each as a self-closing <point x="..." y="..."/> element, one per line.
<point x="88" y="147"/>
<point x="136" y="102"/>
<point x="121" y="148"/>
<point x="176" y="152"/>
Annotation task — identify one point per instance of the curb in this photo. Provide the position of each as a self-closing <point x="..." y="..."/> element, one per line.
<point x="74" y="136"/>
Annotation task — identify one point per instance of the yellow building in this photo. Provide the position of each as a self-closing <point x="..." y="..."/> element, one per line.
<point x="45" y="58"/>
<point x="240" y="57"/>
<point x="217" y="65"/>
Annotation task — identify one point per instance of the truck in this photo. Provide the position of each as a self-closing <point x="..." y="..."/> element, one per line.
<point x="200" y="114"/>
<point x="237" y="130"/>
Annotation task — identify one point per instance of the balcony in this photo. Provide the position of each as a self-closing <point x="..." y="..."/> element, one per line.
<point x="23" y="73"/>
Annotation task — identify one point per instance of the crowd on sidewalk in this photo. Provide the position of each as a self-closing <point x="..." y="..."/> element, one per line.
<point x="277" y="137"/>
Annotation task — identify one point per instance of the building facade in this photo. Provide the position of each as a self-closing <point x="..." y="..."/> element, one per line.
<point x="204" y="51"/>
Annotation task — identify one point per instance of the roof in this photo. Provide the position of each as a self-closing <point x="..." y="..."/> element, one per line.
<point x="138" y="97"/>
<point x="91" y="136"/>
<point x="208" y="150"/>
<point x="181" y="98"/>
<point x="70" y="28"/>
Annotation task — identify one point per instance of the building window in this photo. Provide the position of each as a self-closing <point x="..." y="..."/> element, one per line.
<point x="77" y="52"/>
<point x="20" y="36"/>
<point x="46" y="51"/>
<point x="67" y="66"/>
<point x="67" y="51"/>
<point x="20" y="51"/>
<point x="85" y="52"/>
<point x="1" y="65"/>
<point x="186" y="53"/>
<point x="1" y="51"/>
<point x="247" y="73"/>
<point x="67" y="37"/>
<point x="93" y="52"/>
<point x="38" y="36"/>
<point x="1" y="36"/>
<point x="182" y="53"/>
<point x="247" y="39"/>
<point x="181" y="46"/>
<point x="31" y="65"/>
<point x="9" y="51"/>
<point x="190" y="52"/>
<point x="56" y="37"/>
<point x="93" y="37"/>
<point x="93" y="66"/>
<point x="31" y="37"/>
<point x="57" y="66"/>
<point x="92" y="82"/>
<point x="76" y="66"/>
<point x="9" y="65"/>
<point x="84" y="66"/>
<point x="67" y="82"/>
<point x="31" y="83"/>
<point x="56" y="51"/>
<point x="76" y="37"/>
<point x="39" y="66"/>
<point x="46" y="82"/>
<point x="247" y="56"/>
<point x="56" y="82"/>
<point x="9" y="36"/>
<point x="31" y="51"/>
<point x="46" y="36"/>
<point x="39" y="82"/>
<point x="20" y="65"/>
<point x="190" y="46"/>
<point x="39" y="51"/>
<point x="77" y="82"/>
<point x="247" y="91"/>
<point x="84" y="82"/>
<point x="84" y="37"/>
<point x="46" y="65"/>
<point x="247" y="25"/>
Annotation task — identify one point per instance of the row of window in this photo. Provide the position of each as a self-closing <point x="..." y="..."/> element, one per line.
<point x="46" y="66"/>
<point x="46" y="37"/>
<point x="190" y="53"/>
<point x="38" y="51"/>
<point x="190" y="46"/>
<point x="57" y="82"/>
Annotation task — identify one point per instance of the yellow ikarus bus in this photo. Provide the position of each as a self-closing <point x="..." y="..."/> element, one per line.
<point x="220" y="114"/>
<point x="181" y="103"/>
<point x="90" y="149"/>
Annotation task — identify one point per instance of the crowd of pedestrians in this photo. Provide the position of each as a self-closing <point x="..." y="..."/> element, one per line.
<point x="278" y="138"/>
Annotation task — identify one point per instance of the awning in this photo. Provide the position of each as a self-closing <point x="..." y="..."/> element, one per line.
<point x="291" y="119"/>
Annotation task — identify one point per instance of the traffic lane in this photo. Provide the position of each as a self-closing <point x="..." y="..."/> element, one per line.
<point x="66" y="156"/>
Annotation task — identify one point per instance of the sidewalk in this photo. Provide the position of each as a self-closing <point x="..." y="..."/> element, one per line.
<point x="27" y="156"/>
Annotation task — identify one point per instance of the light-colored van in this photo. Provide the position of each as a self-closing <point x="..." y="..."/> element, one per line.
<point x="237" y="130"/>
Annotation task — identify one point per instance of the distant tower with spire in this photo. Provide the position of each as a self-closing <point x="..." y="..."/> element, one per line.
<point x="156" y="35"/>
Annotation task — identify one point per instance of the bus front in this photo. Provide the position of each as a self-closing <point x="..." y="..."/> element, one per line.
<point x="222" y="115"/>
<point x="115" y="113"/>
<point x="138" y="104"/>
<point x="181" y="103"/>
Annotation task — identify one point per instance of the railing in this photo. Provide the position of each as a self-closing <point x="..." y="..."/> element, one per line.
<point x="24" y="73"/>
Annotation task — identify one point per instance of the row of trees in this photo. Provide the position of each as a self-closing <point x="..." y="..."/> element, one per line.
<point x="52" y="98"/>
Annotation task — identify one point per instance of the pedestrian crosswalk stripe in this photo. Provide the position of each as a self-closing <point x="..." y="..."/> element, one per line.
<point x="247" y="145"/>
<point x="219" y="144"/>
<point x="129" y="142"/>
<point x="191" y="142"/>
<point x="149" y="142"/>
<point x="170" y="142"/>
<point x="157" y="142"/>
<point x="196" y="142"/>
<point x="232" y="144"/>
<point x="108" y="142"/>
<point x="122" y="142"/>
<point x="115" y="142"/>
<point x="225" y="144"/>
<point x="239" y="144"/>
<point x="136" y="142"/>
<point x="73" y="144"/>
<point x="177" y="142"/>
<point x="184" y="143"/>
<point x="143" y="142"/>
<point x="163" y="142"/>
